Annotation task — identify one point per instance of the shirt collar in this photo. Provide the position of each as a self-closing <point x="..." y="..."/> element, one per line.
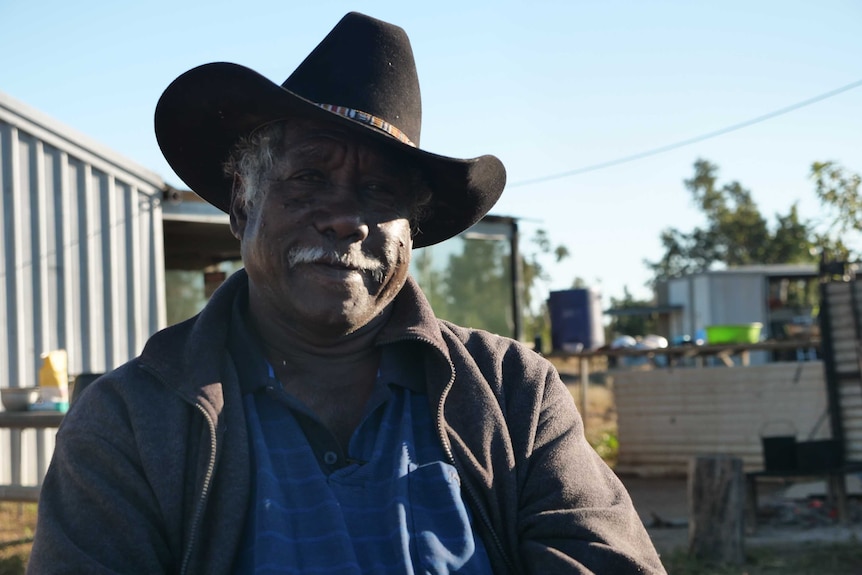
<point x="401" y="364"/>
<point x="245" y="347"/>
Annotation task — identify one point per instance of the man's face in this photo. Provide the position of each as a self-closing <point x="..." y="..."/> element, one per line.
<point x="327" y="242"/>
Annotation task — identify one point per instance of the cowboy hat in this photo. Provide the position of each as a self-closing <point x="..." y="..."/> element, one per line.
<point x="362" y="75"/>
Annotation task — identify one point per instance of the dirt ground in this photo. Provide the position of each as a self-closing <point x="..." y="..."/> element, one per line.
<point x="663" y="507"/>
<point x="662" y="504"/>
<point x="17" y="523"/>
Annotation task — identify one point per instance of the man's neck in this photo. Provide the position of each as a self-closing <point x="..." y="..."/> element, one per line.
<point x="332" y="377"/>
<point x="315" y="351"/>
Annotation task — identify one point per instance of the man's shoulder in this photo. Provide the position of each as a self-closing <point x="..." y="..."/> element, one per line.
<point x="168" y="346"/>
<point x="199" y="341"/>
<point x="480" y="339"/>
<point x="495" y="353"/>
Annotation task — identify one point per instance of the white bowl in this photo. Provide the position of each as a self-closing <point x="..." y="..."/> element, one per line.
<point x="19" y="398"/>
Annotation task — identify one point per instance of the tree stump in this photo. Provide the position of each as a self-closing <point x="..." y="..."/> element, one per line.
<point x="716" y="501"/>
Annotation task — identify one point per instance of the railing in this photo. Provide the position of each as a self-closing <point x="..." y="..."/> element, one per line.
<point x="17" y="422"/>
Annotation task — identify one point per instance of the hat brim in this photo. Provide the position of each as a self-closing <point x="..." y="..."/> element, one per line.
<point x="203" y="113"/>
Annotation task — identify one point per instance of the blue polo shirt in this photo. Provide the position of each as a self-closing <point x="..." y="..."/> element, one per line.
<point x="391" y="504"/>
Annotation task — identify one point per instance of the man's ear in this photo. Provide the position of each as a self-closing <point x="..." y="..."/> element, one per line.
<point x="238" y="208"/>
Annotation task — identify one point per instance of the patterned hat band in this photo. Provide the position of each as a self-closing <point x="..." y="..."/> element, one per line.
<point x="370" y="120"/>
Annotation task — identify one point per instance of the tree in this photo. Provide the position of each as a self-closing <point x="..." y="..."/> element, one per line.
<point x="472" y="284"/>
<point x="479" y="290"/>
<point x="534" y="272"/>
<point x="735" y="232"/>
<point x="537" y="322"/>
<point x="432" y="280"/>
<point x="838" y="190"/>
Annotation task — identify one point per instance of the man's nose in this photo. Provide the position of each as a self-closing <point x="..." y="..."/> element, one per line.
<point x="342" y="218"/>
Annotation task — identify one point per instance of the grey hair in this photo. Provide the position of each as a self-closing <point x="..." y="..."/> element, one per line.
<point x="253" y="156"/>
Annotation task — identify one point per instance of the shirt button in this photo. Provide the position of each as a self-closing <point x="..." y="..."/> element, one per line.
<point x="330" y="457"/>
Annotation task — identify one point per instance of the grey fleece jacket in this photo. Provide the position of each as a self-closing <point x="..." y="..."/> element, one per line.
<point x="151" y="470"/>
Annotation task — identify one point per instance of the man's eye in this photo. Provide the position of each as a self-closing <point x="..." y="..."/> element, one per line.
<point x="378" y="191"/>
<point x="308" y="176"/>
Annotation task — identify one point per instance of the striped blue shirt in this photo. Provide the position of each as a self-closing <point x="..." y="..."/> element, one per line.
<point x="392" y="504"/>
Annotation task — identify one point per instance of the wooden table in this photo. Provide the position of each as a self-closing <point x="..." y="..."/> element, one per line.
<point x="835" y="484"/>
<point x="16" y="421"/>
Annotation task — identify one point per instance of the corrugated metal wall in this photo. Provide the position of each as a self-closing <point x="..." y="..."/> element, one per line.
<point x="82" y="264"/>
<point x="667" y="416"/>
<point x="678" y="294"/>
<point x="701" y="310"/>
<point x="845" y="340"/>
<point x="737" y="298"/>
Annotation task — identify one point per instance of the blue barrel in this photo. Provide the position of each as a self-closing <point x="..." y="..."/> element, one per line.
<point x="576" y="319"/>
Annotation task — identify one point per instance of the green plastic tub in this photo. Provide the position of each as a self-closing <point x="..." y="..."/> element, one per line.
<point x="736" y="333"/>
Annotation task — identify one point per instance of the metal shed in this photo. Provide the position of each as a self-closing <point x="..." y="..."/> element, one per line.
<point x="734" y="295"/>
<point x="83" y="258"/>
<point x="82" y="236"/>
<point x="738" y="295"/>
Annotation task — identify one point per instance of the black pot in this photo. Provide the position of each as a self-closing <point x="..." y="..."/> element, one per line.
<point x="779" y="452"/>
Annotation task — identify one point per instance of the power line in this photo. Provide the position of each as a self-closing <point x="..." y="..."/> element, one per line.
<point x="689" y="141"/>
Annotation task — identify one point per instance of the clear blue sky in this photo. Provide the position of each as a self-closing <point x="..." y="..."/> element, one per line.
<point x="548" y="87"/>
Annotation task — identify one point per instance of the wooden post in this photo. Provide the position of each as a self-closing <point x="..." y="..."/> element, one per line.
<point x="837" y="483"/>
<point x="585" y="385"/>
<point x="716" y="502"/>
<point x="750" y="504"/>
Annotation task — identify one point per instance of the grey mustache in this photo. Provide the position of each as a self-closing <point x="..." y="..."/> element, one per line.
<point x="319" y="255"/>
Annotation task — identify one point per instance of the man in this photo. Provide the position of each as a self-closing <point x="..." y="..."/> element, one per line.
<point x="316" y="417"/>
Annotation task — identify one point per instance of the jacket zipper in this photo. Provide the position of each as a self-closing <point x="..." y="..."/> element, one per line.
<point x="199" y="508"/>
<point x="447" y="447"/>
<point x="204" y="494"/>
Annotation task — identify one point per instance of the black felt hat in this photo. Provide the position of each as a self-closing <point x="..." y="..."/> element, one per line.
<point x="361" y="75"/>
